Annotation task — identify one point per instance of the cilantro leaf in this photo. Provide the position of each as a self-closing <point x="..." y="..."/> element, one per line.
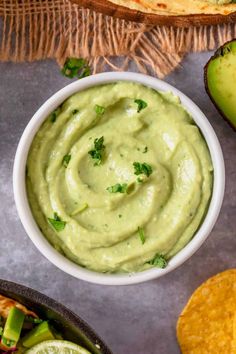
<point x="66" y="160"/>
<point x="142" y="169"/>
<point x="97" y="152"/>
<point x="145" y="150"/>
<point x="53" y="116"/>
<point x="76" y="67"/>
<point x="141" y="235"/>
<point x="158" y="261"/>
<point x="99" y="110"/>
<point x="75" y="111"/>
<point x="118" y="188"/>
<point x="141" y="105"/>
<point x="57" y="223"/>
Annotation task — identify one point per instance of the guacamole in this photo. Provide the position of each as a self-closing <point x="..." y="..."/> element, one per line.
<point x="118" y="176"/>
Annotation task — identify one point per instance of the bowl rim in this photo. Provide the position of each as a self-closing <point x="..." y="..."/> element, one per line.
<point x="40" y="240"/>
<point x="40" y="299"/>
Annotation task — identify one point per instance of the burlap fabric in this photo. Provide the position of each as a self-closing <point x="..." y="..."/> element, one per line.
<point x="38" y="29"/>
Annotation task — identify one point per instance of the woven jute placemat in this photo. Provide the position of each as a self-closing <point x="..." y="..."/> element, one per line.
<point x="38" y="29"/>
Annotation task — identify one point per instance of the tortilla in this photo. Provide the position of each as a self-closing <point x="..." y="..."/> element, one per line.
<point x="179" y="7"/>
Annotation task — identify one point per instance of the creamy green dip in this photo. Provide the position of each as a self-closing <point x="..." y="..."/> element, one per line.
<point x="119" y="229"/>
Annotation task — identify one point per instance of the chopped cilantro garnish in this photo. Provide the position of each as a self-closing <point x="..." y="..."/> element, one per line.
<point x="141" y="105"/>
<point x="145" y="150"/>
<point x="120" y="215"/>
<point x="99" y="110"/>
<point x="1" y="331"/>
<point x="57" y="223"/>
<point x="66" y="160"/>
<point x="142" y="169"/>
<point x="97" y="152"/>
<point x="141" y="235"/>
<point x="75" y="67"/>
<point x="118" y="188"/>
<point x="53" y="116"/>
<point x="75" y="111"/>
<point x="159" y="261"/>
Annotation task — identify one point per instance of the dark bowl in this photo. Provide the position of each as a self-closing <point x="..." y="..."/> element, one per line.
<point x="71" y="326"/>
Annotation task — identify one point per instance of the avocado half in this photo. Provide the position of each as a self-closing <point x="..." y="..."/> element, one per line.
<point x="220" y="81"/>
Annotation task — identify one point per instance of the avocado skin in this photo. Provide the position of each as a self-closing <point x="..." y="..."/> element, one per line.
<point x="219" y="53"/>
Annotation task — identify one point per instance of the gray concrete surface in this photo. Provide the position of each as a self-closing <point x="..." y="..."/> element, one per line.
<point x="134" y="319"/>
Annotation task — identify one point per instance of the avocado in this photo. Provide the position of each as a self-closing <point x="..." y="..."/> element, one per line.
<point x="13" y="326"/>
<point x="37" y="335"/>
<point x="220" y="81"/>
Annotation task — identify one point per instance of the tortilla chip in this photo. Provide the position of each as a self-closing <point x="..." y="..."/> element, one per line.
<point x="207" y="324"/>
<point x="234" y="335"/>
<point x="6" y="304"/>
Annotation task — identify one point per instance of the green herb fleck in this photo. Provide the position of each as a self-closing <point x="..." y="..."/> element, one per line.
<point x="141" y="235"/>
<point x="142" y="169"/>
<point x="120" y="216"/>
<point x="53" y="116"/>
<point x="99" y="110"/>
<point x="57" y="223"/>
<point x="1" y="331"/>
<point x="97" y="152"/>
<point x="139" y="180"/>
<point x="80" y="209"/>
<point x="76" y="67"/>
<point x="75" y="111"/>
<point x="141" y="105"/>
<point x="118" y="188"/>
<point x="159" y="261"/>
<point x="145" y="150"/>
<point x="33" y="320"/>
<point x="66" y="160"/>
<point x="8" y="342"/>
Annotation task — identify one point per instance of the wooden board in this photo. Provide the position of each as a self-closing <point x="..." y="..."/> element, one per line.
<point x="110" y="9"/>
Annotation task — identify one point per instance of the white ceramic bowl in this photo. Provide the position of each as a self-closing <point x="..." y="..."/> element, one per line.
<point x="23" y="206"/>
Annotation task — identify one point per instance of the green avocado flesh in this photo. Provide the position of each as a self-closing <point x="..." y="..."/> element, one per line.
<point x="37" y="335"/>
<point x="122" y="175"/>
<point x="13" y="326"/>
<point x="221" y="80"/>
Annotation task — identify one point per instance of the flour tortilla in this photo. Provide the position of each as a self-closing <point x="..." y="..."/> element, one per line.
<point x="177" y="7"/>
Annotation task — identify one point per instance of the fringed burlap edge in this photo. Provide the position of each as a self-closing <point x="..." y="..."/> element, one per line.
<point x="32" y="30"/>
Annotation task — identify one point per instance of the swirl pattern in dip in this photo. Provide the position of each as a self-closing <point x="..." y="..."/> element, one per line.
<point x="97" y="224"/>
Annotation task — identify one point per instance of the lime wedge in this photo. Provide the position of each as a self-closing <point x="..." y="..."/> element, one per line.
<point x="57" y="347"/>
